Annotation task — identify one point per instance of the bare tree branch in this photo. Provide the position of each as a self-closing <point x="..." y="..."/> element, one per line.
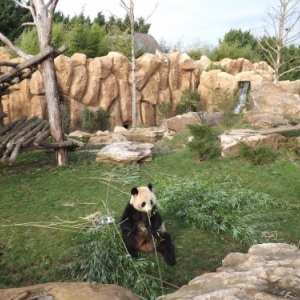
<point x="283" y="19"/>
<point x="11" y="46"/>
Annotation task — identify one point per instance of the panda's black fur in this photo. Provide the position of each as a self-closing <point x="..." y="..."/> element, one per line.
<point x="137" y="231"/>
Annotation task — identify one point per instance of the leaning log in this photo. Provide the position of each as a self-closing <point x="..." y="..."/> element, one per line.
<point x="32" y="131"/>
<point x="279" y="129"/>
<point x="26" y="64"/>
<point x="63" y="144"/>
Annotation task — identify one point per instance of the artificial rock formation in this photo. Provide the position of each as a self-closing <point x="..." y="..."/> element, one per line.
<point x="105" y="82"/>
<point x="68" y="291"/>
<point x="267" y="272"/>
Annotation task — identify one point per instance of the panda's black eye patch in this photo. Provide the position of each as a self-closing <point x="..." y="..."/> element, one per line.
<point x="151" y="202"/>
<point x="143" y="204"/>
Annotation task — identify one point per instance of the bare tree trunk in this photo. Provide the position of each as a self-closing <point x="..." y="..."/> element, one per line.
<point x="51" y="91"/>
<point x="42" y="15"/>
<point x="133" y="65"/>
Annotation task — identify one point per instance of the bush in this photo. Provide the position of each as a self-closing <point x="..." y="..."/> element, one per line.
<point x="233" y="51"/>
<point x="204" y="143"/>
<point x="92" y="121"/>
<point x="221" y="207"/>
<point x="189" y="101"/>
<point x="81" y="38"/>
<point x="164" y="110"/>
<point x="66" y="118"/>
<point x="28" y="41"/>
<point x="260" y="155"/>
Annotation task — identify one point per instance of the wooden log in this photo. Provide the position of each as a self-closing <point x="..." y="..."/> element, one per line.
<point x="40" y="138"/>
<point x="7" y="127"/>
<point x="3" y="115"/>
<point x="64" y="144"/>
<point x="294" y="122"/>
<point x="28" y="142"/>
<point x="78" y="143"/>
<point x="279" y="129"/>
<point x="12" y="137"/>
<point x="31" y="61"/>
<point x="8" y="64"/>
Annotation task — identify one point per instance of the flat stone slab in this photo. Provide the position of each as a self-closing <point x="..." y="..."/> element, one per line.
<point x="230" y="140"/>
<point x="123" y="153"/>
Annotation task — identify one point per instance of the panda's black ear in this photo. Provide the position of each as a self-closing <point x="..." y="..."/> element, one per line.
<point x="134" y="191"/>
<point x="150" y="186"/>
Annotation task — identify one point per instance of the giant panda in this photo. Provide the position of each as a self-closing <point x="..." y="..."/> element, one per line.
<point x="141" y="221"/>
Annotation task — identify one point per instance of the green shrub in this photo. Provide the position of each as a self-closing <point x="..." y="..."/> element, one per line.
<point x="189" y="101"/>
<point x="233" y="51"/>
<point x="66" y="118"/>
<point x="164" y="110"/>
<point x="81" y="38"/>
<point x="260" y="155"/>
<point x="92" y="121"/>
<point x="28" y="41"/>
<point x="221" y="207"/>
<point x="100" y="256"/>
<point x="204" y="143"/>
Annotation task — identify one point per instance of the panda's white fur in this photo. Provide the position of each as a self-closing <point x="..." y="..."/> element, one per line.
<point x="144" y="200"/>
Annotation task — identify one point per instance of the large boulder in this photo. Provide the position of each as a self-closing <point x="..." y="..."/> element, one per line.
<point x="268" y="271"/>
<point x="180" y="122"/>
<point x="274" y="99"/>
<point x="124" y="153"/>
<point x="230" y="140"/>
<point x="68" y="291"/>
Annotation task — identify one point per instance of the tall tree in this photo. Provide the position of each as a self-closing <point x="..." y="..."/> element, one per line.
<point x="282" y="29"/>
<point x="240" y="38"/>
<point x="12" y="16"/>
<point x="42" y="14"/>
<point x="131" y="28"/>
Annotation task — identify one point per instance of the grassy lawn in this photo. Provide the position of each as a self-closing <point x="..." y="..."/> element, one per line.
<point x="36" y="196"/>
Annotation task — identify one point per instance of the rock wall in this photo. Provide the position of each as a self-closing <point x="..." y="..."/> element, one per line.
<point x="106" y="82"/>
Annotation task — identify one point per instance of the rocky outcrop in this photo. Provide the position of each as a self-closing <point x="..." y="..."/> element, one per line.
<point x="230" y="140"/>
<point x="274" y="99"/>
<point x="161" y="78"/>
<point x="124" y="153"/>
<point x="68" y="291"/>
<point x="268" y="271"/>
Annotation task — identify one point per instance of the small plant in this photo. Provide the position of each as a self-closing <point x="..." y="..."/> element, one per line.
<point x="204" y="142"/>
<point x="215" y="66"/>
<point x="164" y="110"/>
<point x="260" y="155"/>
<point x="65" y="117"/>
<point x="92" y="121"/>
<point x="189" y="101"/>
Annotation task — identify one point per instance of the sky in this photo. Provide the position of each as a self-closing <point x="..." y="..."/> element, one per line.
<point x="185" y="22"/>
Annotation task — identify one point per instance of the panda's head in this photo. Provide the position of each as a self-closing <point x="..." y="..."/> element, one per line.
<point x="142" y="198"/>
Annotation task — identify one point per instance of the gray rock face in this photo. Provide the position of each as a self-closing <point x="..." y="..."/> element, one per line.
<point x="267" y="272"/>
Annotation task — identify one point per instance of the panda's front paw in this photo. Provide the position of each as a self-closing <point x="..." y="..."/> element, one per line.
<point x="152" y="230"/>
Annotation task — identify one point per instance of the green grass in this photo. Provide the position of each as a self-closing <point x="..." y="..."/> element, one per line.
<point x="34" y="190"/>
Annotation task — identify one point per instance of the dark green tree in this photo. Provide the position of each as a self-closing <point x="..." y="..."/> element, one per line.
<point x="123" y="25"/>
<point x="240" y="38"/>
<point x="12" y="17"/>
<point x="59" y="17"/>
<point x="100" y="19"/>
